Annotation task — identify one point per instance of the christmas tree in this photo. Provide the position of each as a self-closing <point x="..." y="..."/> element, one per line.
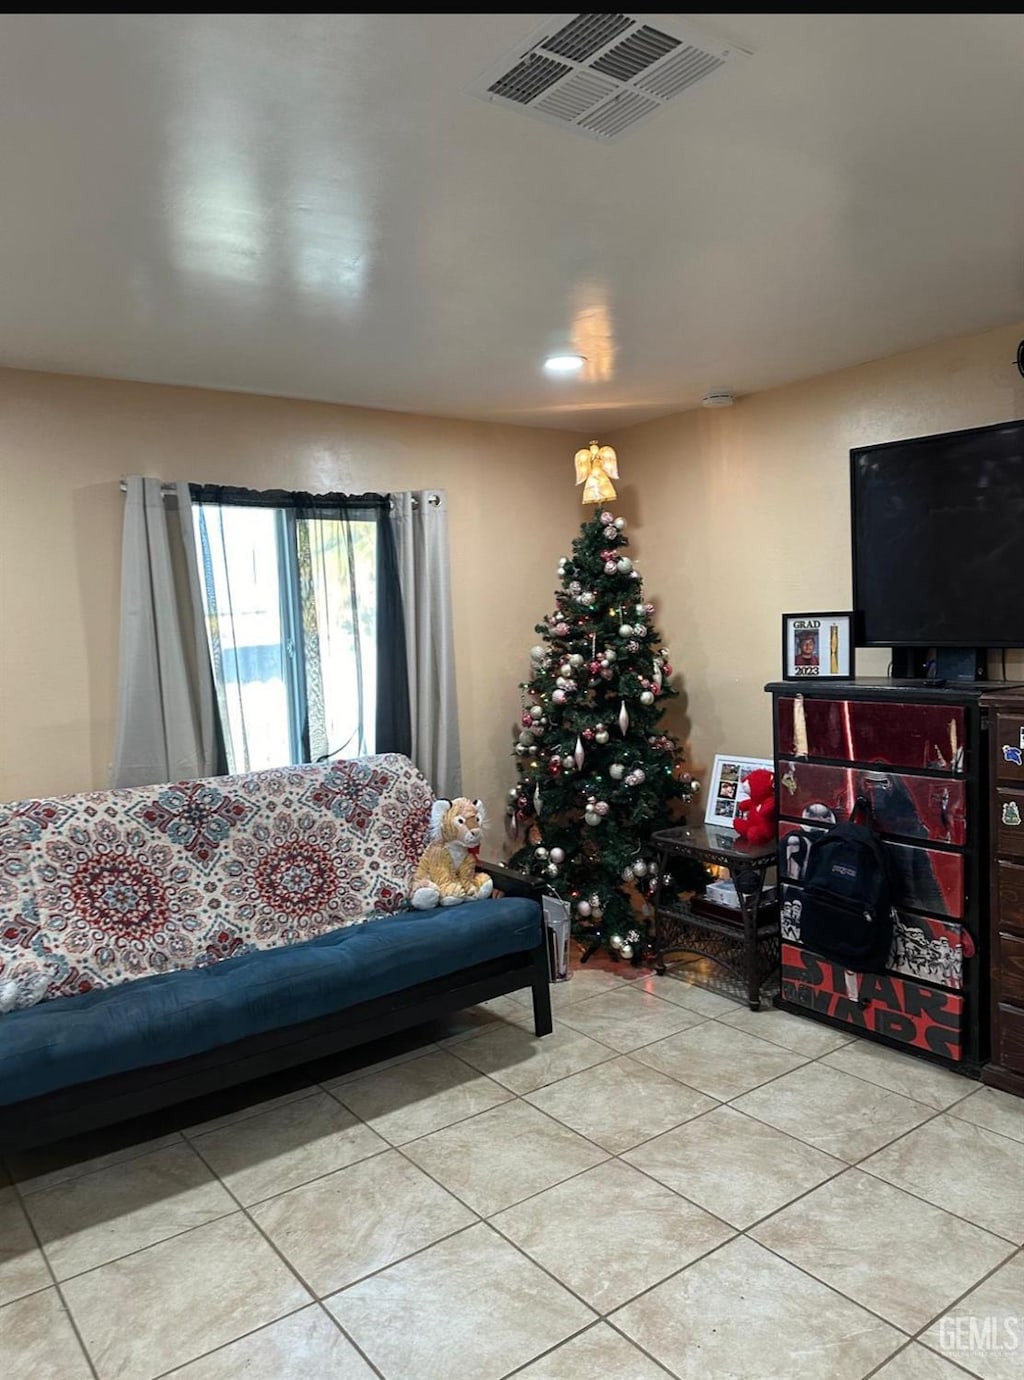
<point x="597" y="774"/>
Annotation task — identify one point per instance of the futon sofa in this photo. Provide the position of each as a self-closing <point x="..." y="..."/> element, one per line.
<point x="162" y="942"/>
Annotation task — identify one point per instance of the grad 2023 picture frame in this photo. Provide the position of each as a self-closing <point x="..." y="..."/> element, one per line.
<point x="817" y="646"/>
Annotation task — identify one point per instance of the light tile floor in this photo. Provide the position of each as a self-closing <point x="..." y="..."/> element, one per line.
<point x="670" y="1185"/>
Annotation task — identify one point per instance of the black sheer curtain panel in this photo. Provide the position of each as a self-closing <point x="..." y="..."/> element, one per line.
<point x="304" y="617"/>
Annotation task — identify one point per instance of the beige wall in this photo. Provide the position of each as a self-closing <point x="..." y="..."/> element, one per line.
<point x="66" y="442"/>
<point x="743" y="514"/>
<point x="735" y="517"/>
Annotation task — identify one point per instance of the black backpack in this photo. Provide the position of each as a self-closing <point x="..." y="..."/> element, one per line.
<point x="846" y="914"/>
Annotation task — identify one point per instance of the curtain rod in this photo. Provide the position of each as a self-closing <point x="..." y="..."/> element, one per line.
<point x="167" y="489"/>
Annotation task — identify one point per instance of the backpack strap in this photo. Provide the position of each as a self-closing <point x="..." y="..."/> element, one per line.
<point x="861" y="807"/>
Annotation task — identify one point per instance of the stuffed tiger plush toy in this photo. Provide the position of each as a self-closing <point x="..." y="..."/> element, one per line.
<point x="446" y="872"/>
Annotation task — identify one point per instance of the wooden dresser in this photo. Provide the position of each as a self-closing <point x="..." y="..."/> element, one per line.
<point x="1005" y="1068"/>
<point x="920" y="756"/>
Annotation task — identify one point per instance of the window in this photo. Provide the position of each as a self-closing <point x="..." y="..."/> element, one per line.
<point x="293" y="604"/>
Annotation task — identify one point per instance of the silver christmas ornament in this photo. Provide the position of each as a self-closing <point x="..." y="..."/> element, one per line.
<point x="620" y="523"/>
<point x="578" y="753"/>
<point x="536" y="712"/>
<point x="626" y="630"/>
<point x="624" y="565"/>
<point x="557" y="856"/>
<point x="616" y="941"/>
<point x="646" y="697"/>
<point x="626" y="951"/>
<point x="601" y="736"/>
<point x="540" y="853"/>
<point x="583" y="908"/>
<point x="592" y="818"/>
<point x="623" y="718"/>
<point x="616" y="771"/>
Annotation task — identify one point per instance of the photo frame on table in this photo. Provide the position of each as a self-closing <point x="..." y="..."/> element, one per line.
<point x="818" y="646"/>
<point x="727" y="786"/>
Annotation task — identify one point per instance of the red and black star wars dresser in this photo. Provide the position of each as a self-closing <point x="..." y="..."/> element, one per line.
<point x="918" y="754"/>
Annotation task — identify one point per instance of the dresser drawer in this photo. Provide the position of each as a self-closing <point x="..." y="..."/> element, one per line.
<point x="923" y="1017"/>
<point x="1009" y="743"/>
<point x="923" y="949"/>
<point x="922" y="878"/>
<point x="1011" y="969"/>
<point x="902" y="804"/>
<point x="1011" y="895"/>
<point x="872" y="731"/>
<point x="1011" y="1038"/>
<point x="1009" y="822"/>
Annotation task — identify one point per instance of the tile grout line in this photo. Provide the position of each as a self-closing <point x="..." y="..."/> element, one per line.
<point x="99" y="1169"/>
<point x="918" y="1335"/>
<point x="60" y="1293"/>
<point x="913" y="1193"/>
<point x="820" y="1059"/>
<point x="313" y="1295"/>
<point x="861" y="1164"/>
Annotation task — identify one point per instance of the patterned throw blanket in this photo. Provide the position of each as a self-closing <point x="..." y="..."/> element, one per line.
<point x="104" y="887"/>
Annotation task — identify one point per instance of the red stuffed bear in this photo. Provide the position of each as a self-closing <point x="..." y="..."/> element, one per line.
<point x="755" y="816"/>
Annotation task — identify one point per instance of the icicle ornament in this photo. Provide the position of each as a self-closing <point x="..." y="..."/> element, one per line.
<point x="623" y="718"/>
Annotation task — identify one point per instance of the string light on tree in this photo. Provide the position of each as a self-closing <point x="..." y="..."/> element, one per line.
<point x="597" y="774"/>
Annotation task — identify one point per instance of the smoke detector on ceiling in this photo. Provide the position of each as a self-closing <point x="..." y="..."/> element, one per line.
<point x="718" y="397"/>
<point x="601" y="74"/>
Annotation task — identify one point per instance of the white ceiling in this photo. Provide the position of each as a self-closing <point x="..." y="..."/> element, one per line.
<point x="314" y="206"/>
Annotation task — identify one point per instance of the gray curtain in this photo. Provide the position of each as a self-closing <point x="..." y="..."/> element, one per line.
<point x="166" y="727"/>
<point x="421" y="537"/>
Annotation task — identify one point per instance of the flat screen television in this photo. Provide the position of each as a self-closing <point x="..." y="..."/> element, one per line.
<point x="938" y="540"/>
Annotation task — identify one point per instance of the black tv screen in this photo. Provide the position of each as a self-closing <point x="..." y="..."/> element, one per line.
<point x="938" y="540"/>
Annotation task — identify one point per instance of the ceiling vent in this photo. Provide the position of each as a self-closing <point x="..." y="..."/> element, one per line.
<point x="602" y="74"/>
